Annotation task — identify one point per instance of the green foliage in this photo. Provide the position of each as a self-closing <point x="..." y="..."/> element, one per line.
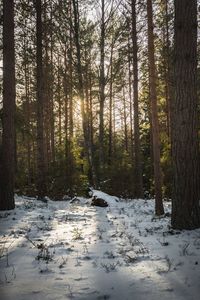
<point x="118" y="176"/>
<point x="69" y="170"/>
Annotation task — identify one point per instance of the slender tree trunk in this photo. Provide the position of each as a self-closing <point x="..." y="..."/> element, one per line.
<point x="71" y="110"/>
<point x="7" y="154"/>
<point x="59" y="107"/>
<point x="167" y="60"/>
<point x="68" y="141"/>
<point x="51" y="98"/>
<point x="130" y="100"/>
<point x="91" y="133"/>
<point x="68" y="89"/>
<point x="159" y="209"/>
<point x="81" y="92"/>
<point x="125" y="121"/>
<point x="51" y="111"/>
<point x="185" y="148"/>
<point x="110" y="142"/>
<point x="47" y="118"/>
<point x="79" y="66"/>
<point x="41" y="180"/>
<point x="102" y="87"/>
<point x="27" y="113"/>
<point x="137" y="150"/>
<point x="167" y="66"/>
<point x="46" y="81"/>
<point x="91" y="109"/>
<point x="92" y="171"/>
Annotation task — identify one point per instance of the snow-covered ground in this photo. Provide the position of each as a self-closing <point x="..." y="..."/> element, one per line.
<point x="61" y="250"/>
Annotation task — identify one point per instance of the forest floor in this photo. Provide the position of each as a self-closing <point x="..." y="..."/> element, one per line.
<point x="61" y="250"/>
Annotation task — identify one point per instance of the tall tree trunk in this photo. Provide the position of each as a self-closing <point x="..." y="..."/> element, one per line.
<point x="7" y="152"/>
<point x="102" y="86"/>
<point x="41" y="180"/>
<point x="79" y="65"/>
<point x="167" y="60"/>
<point x="86" y="133"/>
<point x="185" y="148"/>
<point x="47" y="86"/>
<point x="137" y="150"/>
<point x="68" y="152"/>
<point x="130" y="100"/>
<point x="92" y="171"/>
<point x="68" y="89"/>
<point x="51" y="100"/>
<point x="51" y="112"/>
<point x="71" y="110"/>
<point x="91" y="110"/>
<point x="167" y="71"/>
<point x="27" y="112"/>
<point x="125" y="121"/>
<point x="159" y="209"/>
<point x="110" y="140"/>
<point x="59" y="107"/>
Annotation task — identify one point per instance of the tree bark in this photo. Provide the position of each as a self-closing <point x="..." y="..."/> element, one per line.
<point x="27" y="113"/>
<point x="86" y="132"/>
<point x="125" y="121"/>
<point x="102" y="86"/>
<point x="159" y="209"/>
<point x="167" y="71"/>
<point x="71" y="110"/>
<point x="59" y="105"/>
<point x="92" y="172"/>
<point x="110" y="139"/>
<point x="41" y="180"/>
<point x="130" y="100"/>
<point x="137" y="150"/>
<point x="185" y="148"/>
<point x="68" y="168"/>
<point x="7" y="151"/>
<point x="51" y="95"/>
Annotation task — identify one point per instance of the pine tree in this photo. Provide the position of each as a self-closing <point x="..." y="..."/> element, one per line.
<point x="185" y="151"/>
<point x="137" y="150"/>
<point x="7" y="151"/>
<point x="102" y="86"/>
<point x="159" y="210"/>
<point x="41" y="179"/>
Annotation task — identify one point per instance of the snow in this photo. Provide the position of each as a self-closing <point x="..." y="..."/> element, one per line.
<point x="61" y="250"/>
<point x="111" y="200"/>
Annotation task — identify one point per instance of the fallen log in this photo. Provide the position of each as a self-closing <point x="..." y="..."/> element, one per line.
<point x="98" y="202"/>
